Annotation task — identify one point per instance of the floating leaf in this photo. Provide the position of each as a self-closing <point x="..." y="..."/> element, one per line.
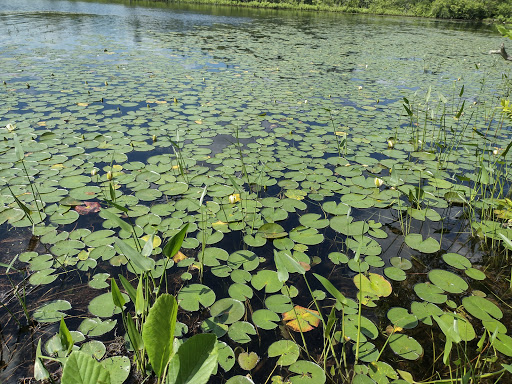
<point x="227" y="311"/>
<point x="272" y="231"/>
<point x="430" y="292"/>
<point x="287" y="351"/>
<point x="248" y="361"/>
<point x="307" y="373"/>
<point x="51" y="312"/>
<point x="118" y="368"/>
<point x="481" y="308"/>
<point x="415" y="241"/>
<point x="192" y="295"/>
<point x="301" y="319"/>
<point x="374" y="284"/>
<point x="265" y="319"/>
<point x="88" y="207"/>
<point x="447" y="281"/>
<point x="81" y="368"/>
<point x="405" y="346"/>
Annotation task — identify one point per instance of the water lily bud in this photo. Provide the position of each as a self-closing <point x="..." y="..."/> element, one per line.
<point x="109" y="175"/>
<point x="10" y="127"/>
<point x="234" y="198"/>
<point x="378" y="182"/>
<point x="360" y="87"/>
<point x="94" y="172"/>
<point x="391" y="144"/>
<point x="154" y="138"/>
<point x="495" y="151"/>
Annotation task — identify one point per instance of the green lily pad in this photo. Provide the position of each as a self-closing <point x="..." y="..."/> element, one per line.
<point x="265" y="319"/>
<point x="278" y="303"/>
<point x="374" y="284"/>
<point x="457" y="261"/>
<point x="268" y="280"/>
<point x="307" y="373"/>
<point x="192" y="295"/>
<point x="313" y="220"/>
<point x="307" y="236"/>
<point x="226" y="356"/>
<point x="118" y="368"/>
<point x="503" y="344"/>
<point x="481" y="308"/>
<point x="405" y="346"/>
<point x="240" y="332"/>
<point x="248" y="361"/>
<point x="424" y="311"/>
<point x="430" y="292"/>
<point x="96" y="327"/>
<point x="447" y="281"/>
<point x="475" y="274"/>
<point x="395" y="274"/>
<point x="335" y="209"/>
<point x="227" y="311"/>
<point x="415" y="241"/>
<point x="400" y="317"/>
<point x="287" y="351"/>
<point x="272" y="231"/>
<point x="103" y="305"/>
<point x="347" y="226"/>
<point x="401" y="263"/>
<point x="52" y="311"/>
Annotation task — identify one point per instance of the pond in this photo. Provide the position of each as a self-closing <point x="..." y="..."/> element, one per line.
<point x="327" y="194"/>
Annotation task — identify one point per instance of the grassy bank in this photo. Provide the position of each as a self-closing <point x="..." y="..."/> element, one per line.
<point x="499" y="10"/>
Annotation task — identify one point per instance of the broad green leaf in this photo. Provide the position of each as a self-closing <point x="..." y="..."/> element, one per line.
<point x="128" y="288"/>
<point x="174" y="245"/>
<point x="195" y="360"/>
<point x="65" y="337"/>
<point x="117" y="298"/>
<point x="158" y="332"/>
<point x="40" y="371"/>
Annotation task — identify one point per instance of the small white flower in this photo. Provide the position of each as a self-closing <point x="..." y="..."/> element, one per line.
<point x="391" y="144"/>
<point x="10" y="127"/>
<point x="378" y="182"/>
<point x="360" y="87"/>
<point x="109" y="175"/>
<point x="94" y="171"/>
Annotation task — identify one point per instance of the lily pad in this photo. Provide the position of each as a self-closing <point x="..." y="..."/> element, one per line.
<point x="287" y="351"/>
<point x="301" y="319"/>
<point x="307" y="373"/>
<point x="192" y="295"/>
<point x="52" y="311"/>
<point x="248" y="361"/>
<point x="265" y="319"/>
<point x="227" y="311"/>
<point x="447" y="281"/>
<point x="415" y="241"/>
<point x="405" y="346"/>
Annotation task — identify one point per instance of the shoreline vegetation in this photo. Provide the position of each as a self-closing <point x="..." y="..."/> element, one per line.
<point x="475" y="10"/>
